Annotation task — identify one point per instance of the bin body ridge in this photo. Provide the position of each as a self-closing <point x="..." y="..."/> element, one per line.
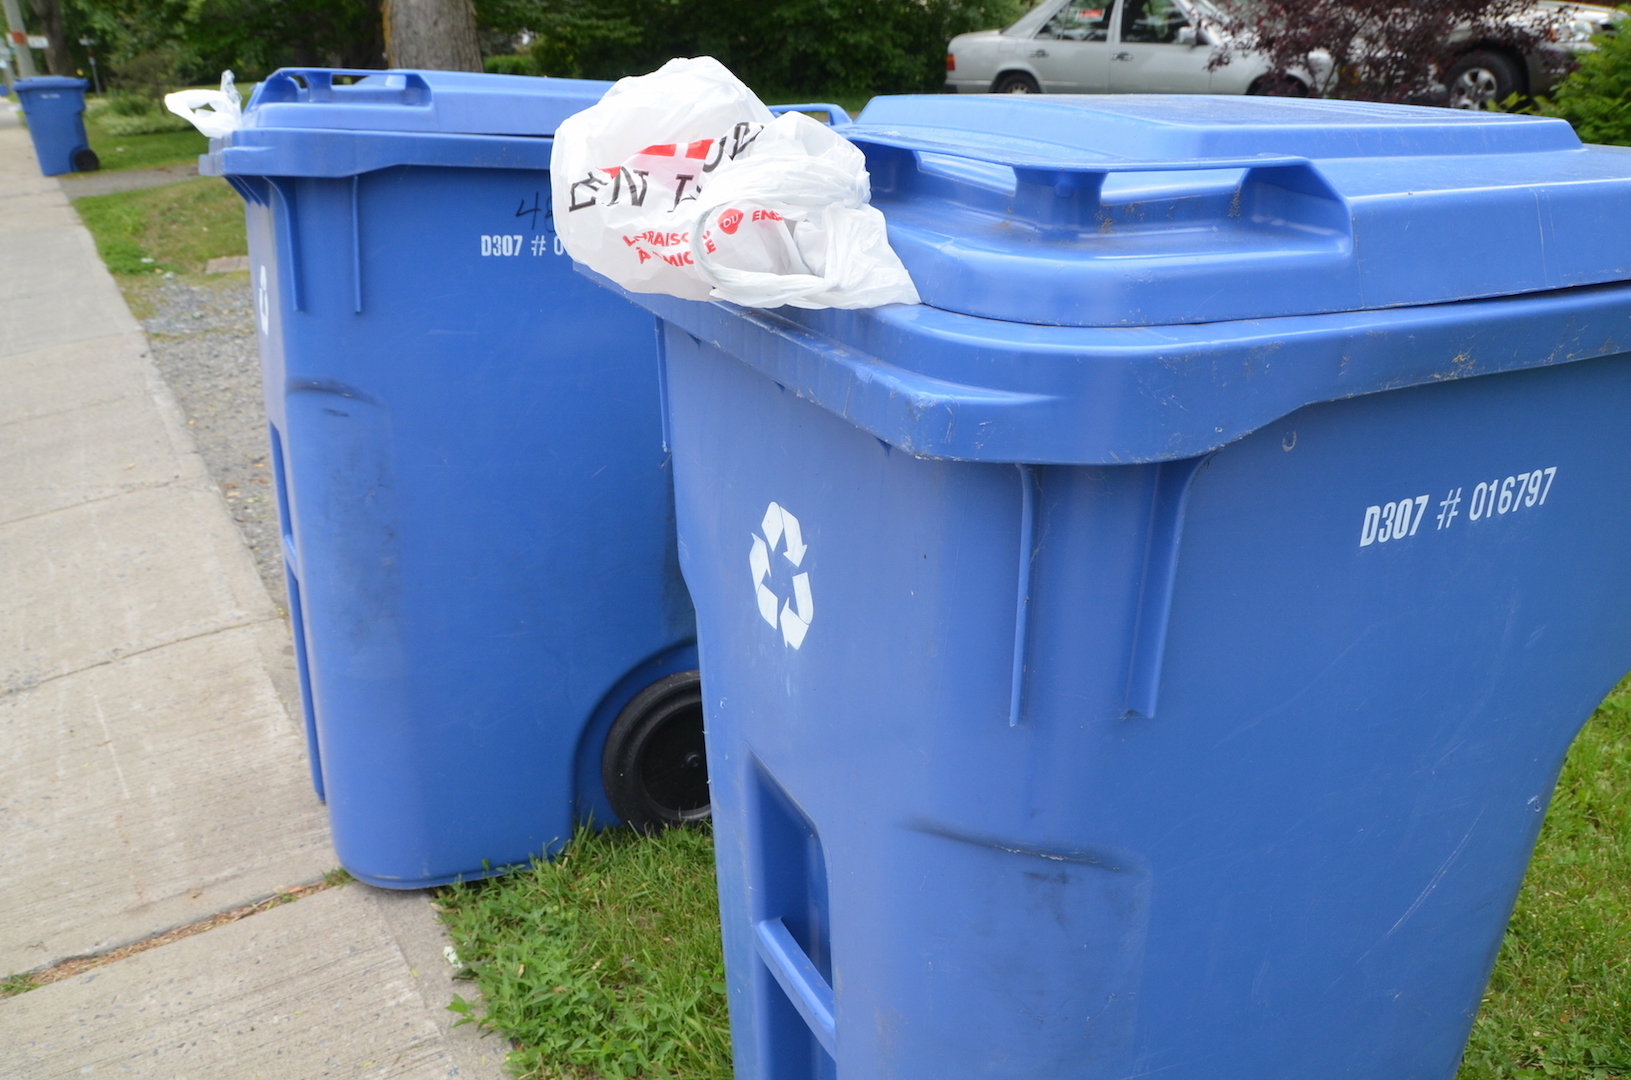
<point x="1179" y="698"/>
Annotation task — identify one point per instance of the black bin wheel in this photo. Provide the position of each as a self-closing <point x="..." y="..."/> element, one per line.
<point x="85" y="160"/>
<point x="655" y="766"/>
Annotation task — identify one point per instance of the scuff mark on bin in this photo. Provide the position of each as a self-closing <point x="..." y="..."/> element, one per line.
<point x="1438" y="876"/>
<point x="1101" y="860"/>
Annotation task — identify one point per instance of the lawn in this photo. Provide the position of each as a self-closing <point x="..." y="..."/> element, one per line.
<point x="1560" y="1001"/>
<point x="178" y="227"/>
<point x="139" y="151"/>
<point x="607" y="962"/>
<point x="850" y="103"/>
<point x="145" y="151"/>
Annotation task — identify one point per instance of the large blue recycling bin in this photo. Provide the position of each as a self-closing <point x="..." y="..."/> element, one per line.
<point x="467" y="454"/>
<point x="1153" y="655"/>
<point x="55" y="108"/>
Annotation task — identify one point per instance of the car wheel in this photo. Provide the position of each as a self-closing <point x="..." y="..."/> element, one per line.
<point x="1016" y="82"/>
<point x="655" y="766"/>
<point x="1481" y="77"/>
<point x="1278" y="86"/>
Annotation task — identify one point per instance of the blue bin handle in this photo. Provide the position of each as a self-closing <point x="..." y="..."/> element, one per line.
<point x="1063" y="192"/>
<point x="837" y="115"/>
<point x="281" y="86"/>
<point x="799" y="979"/>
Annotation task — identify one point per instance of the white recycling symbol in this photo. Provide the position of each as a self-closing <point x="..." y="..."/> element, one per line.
<point x="793" y="616"/>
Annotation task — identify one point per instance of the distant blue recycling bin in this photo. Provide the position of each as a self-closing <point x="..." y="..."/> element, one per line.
<point x="55" y="108"/>
<point x="476" y="508"/>
<point x="1153" y="655"/>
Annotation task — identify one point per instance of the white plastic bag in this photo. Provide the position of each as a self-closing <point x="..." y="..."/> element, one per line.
<point x="682" y="182"/>
<point x="225" y="105"/>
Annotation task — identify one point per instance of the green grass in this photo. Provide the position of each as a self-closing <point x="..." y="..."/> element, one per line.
<point x="13" y="985"/>
<point x="139" y="151"/>
<point x="1559" y="1004"/>
<point x="605" y="963"/>
<point x="851" y="103"/>
<point x="146" y="151"/>
<point x="179" y="227"/>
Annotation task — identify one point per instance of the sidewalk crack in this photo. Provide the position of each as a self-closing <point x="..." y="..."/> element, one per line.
<point x="152" y="485"/>
<point x="22" y="982"/>
<point x="13" y="690"/>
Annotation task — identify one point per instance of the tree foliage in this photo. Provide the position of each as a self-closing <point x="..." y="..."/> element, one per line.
<point x="1596" y="97"/>
<point x="148" y="45"/>
<point x="790" y="46"/>
<point x="777" y="46"/>
<point x="1378" y="50"/>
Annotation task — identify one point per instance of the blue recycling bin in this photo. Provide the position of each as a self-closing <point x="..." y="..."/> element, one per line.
<point x="1153" y="654"/>
<point x="476" y="508"/>
<point x="55" y="108"/>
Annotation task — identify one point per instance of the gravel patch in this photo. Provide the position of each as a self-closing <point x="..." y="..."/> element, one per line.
<point x="202" y="334"/>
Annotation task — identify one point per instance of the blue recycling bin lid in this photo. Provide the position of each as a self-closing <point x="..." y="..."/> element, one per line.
<point x="1115" y="279"/>
<point x="300" y="122"/>
<point x="50" y="82"/>
<point x="1148" y="210"/>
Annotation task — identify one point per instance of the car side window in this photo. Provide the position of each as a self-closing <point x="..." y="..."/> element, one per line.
<point x="1153" y="21"/>
<point x="1078" y="22"/>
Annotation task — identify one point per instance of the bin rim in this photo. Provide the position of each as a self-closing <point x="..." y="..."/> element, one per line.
<point x="301" y="123"/>
<point x="977" y="389"/>
<point x="304" y="152"/>
<point x="50" y="82"/>
<point x="415" y="100"/>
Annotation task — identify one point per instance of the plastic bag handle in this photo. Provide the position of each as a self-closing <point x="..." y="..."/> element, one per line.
<point x="281" y="86"/>
<point x="837" y="115"/>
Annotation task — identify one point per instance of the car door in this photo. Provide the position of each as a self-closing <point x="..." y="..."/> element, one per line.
<point x="1158" y="50"/>
<point x="1072" y="50"/>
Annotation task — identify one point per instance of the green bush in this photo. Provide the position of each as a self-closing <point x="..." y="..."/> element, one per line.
<point x="150" y="123"/>
<point x="783" y="47"/>
<point x="148" y="76"/>
<point x="122" y="114"/>
<point x="1596" y="97"/>
<point x="511" y="64"/>
<point x="123" y="104"/>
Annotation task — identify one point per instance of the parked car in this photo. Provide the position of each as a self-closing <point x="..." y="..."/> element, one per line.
<point x="1166" y="47"/>
<point x="1489" y="71"/>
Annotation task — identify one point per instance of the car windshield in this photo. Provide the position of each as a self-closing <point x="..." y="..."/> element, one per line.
<point x="1079" y="21"/>
<point x="1028" y="23"/>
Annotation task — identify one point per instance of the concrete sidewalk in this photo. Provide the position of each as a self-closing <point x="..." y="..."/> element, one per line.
<point x="151" y="775"/>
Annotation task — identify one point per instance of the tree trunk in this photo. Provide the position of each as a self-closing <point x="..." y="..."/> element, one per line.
<point x="435" y="34"/>
<point x="58" y="59"/>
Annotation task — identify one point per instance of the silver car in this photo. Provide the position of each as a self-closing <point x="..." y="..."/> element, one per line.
<point x="1113" y="47"/>
<point x="1166" y="47"/>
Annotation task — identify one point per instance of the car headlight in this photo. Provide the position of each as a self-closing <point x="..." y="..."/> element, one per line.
<point x="1583" y="29"/>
